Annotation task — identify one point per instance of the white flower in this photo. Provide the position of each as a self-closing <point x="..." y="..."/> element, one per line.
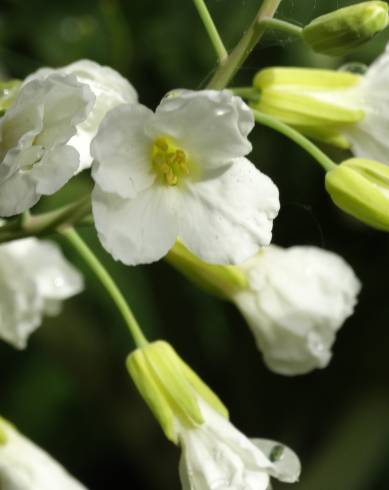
<point x="369" y="137"/>
<point x="181" y="172"/>
<point x="34" y="280"/>
<point x="216" y="456"/>
<point x="25" y="466"/>
<point x="296" y="300"/>
<point x="110" y="89"/>
<point x="35" y="158"/>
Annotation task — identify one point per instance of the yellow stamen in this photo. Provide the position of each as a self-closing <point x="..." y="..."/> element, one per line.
<point x="169" y="161"/>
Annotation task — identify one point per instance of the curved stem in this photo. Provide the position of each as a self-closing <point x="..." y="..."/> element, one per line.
<point x="250" y="38"/>
<point x="211" y="29"/>
<point x="283" y="26"/>
<point x="106" y="280"/>
<point x="27" y="225"/>
<point x="297" y="137"/>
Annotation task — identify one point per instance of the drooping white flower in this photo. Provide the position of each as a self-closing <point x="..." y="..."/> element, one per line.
<point x="110" y="89"/>
<point x="295" y="302"/>
<point x="25" y="466"/>
<point x="35" y="158"/>
<point x="216" y="456"/>
<point x="34" y="280"/>
<point x="181" y="172"/>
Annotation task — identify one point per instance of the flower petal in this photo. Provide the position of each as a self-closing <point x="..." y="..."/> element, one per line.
<point x="286" y="464"/>
<point x="57" y="166"/>
<point x="226" y="219"/>
<point x="66" y="103"/>
<point x="122" y="152"/>
<point x="20" y="303"/>
<point x="18" y="128"/>
<point x="139" y="230"/>
<point x="54" y="276"/>
<point x="212" y="126"/>
<point x="34" y="278"/>
<point x="17" y="194"/>
<point x="296" y="301"/>
<point x="217" y="456"/>
<point x="110" y="89"/>
<point x="369" y="137"/>
<point x="25" y="466"/>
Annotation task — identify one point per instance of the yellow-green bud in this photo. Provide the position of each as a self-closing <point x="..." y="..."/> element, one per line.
<point x="361" y="188"/>
<point x="170" y="387"/>
<point x="318" y="103"/>
<point x="8" y="93"/>
<point x="219" y="280"/>
<point x="343" y="30"/>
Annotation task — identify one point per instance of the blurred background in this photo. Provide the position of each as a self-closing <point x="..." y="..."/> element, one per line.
<point x="69" y="391"/>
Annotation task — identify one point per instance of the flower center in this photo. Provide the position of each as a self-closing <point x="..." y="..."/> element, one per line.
<point x="169" y="161"/>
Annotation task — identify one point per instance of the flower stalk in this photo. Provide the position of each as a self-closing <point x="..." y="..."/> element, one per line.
<point x="211" y="29"/>
<point x="297" y="137"/>
<point x="106" y="280"/>
<point x="28" y="225"/>
<point x="283" y="26"/>
<point x="249" y="40"/>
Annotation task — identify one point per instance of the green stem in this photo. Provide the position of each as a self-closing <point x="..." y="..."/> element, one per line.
<point x="249" y="93"/>
<point x="211" y="30"/>
<point x="282" y="25"/>
<point x="297" y="137"/>
<point x="106" y="280"/>
<point x="250" y="38"/>
<point x="27" y="225"/>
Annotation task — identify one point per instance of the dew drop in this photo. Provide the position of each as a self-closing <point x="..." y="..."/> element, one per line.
<point x="277" y="453"/>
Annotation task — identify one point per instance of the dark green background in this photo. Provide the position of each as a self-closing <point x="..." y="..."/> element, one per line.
<point x="69" y="391"/>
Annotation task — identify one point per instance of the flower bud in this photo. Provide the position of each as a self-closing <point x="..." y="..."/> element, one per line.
<point x="318" y="103"/>
<point x="361" y="188"/>
<point x="339" y="32"/>
<point x="170" y="388"/>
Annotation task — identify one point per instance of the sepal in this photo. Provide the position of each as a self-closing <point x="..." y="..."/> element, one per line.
<point x="311" y="100"/>
<point x="219" y="280"/>
<point x="170" y="388"/>
<point x="360" y="187"/>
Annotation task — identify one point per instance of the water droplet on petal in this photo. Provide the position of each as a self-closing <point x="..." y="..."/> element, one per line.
<point x="277" y="453"/>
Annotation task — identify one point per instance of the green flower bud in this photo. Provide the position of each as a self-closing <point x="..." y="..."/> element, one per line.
<point x="361" y="188"/>
<point x="219" y="280"/>
<point x="8" y="93"/>
<point x="170" y="387"/>
<point x="343" y="30"/>
<point x="318" y="103"/>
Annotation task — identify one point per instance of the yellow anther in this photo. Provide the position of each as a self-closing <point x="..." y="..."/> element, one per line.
<point x="161" y="144"/>
<point x="169" y="161"/>
<point x="170" y="178"/>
